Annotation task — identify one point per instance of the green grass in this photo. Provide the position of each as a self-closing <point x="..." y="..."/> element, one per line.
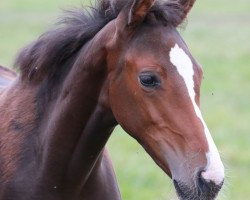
<point x="218" y="36"/>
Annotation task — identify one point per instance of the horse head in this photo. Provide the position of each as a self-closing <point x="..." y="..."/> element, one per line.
<point x="154" y="93"/>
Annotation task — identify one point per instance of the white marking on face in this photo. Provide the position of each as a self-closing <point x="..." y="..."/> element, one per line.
<point x="214" y="169"/>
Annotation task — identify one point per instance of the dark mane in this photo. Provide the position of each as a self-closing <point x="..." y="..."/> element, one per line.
<point x="55" y="46"/>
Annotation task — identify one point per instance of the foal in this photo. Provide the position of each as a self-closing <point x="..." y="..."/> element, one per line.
<point x="126" y="64"/>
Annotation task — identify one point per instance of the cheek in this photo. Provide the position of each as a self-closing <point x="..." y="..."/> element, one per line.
<point x="126" y="105"/>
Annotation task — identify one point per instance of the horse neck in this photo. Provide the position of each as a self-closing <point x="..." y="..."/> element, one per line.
<point x="79" y="122"/>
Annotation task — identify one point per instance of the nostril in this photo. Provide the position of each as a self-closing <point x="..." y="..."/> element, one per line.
<point x="203" y="184"/>
<point x="207" y="186"/>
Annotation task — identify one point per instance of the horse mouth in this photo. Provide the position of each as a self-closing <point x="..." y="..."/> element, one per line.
<point x="185" y="192"/>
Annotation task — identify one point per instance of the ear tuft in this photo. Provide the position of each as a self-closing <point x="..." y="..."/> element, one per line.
<point x="138" y="11"/>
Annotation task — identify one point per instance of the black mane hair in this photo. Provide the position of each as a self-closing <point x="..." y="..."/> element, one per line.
<point x="54" y="47"/>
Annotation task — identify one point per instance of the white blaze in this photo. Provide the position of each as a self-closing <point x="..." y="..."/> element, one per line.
<point x="215" y="169"/>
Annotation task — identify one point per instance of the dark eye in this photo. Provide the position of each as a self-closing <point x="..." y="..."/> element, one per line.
<point x="149" y="80"/>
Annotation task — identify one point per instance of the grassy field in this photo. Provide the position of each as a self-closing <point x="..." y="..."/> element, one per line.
<point x="218" y="36"/>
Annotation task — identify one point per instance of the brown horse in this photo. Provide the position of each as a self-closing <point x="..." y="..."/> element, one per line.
<point x="123" y="63"/>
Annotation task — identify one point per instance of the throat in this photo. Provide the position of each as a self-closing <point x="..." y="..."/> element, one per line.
<point x="71" y="153"/>
<point x="77" y="124"/>
<point x="76" y="131"/>
<point x="90" y="145"/>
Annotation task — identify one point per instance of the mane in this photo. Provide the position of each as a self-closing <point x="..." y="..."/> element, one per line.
<point x="45" y="55"/>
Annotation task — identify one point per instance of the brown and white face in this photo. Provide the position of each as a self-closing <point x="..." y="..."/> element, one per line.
<point x="154" y="95"/>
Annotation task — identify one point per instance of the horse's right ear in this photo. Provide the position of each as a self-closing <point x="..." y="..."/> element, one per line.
<point x="187" y="5"/>
<point x="138" y="11"/>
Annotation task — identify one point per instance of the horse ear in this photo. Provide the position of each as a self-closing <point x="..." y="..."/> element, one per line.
<point x="187" y="5"/>
<point x="138" y="11"/>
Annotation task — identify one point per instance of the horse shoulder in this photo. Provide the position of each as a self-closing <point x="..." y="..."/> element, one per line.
<point x="17" y="111"/>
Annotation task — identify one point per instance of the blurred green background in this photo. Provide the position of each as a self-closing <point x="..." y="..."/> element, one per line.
<point x="218" y="35"/>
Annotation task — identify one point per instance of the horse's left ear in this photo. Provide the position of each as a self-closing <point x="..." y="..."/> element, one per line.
<point x="138" y="11"/>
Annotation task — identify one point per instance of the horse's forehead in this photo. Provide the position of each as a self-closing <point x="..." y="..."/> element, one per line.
<point x="156" y="40"/>
<point x="186" y="68"/>
<point x="181" y="60"/>
<point x="158" y="46"/>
